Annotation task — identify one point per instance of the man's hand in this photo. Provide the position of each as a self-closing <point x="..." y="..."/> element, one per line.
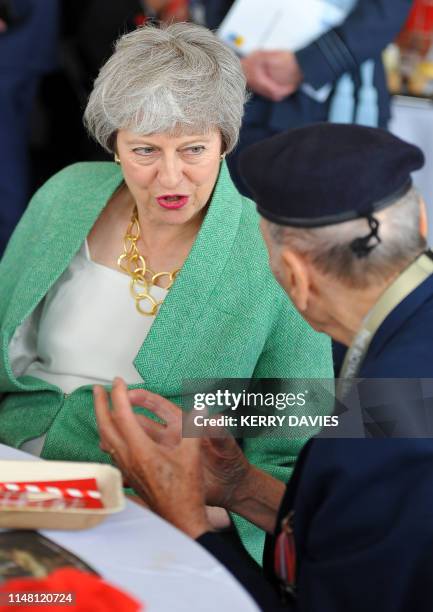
<point x="169" y="432"/>
<point x="272" y="74"/>
<point x="3" y="26"/>
<point x="259" y="79"/>
<point x="225" y="469"/>
<point x="168" y="479"/>
<point x="154" y="458"/>
<point x="224" y="465"/>
<point x="283" y="68"/>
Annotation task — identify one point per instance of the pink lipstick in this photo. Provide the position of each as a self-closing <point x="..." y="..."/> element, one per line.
<point x="172" y="201"/>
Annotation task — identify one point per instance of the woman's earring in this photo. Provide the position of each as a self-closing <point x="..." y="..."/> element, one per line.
<point x="117" y="159"/>
<point x="223" y="156"/>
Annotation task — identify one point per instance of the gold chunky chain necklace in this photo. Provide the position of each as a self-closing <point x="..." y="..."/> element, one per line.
<point x="142" y="277"/>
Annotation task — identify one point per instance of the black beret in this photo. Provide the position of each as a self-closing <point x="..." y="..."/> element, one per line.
<point x="328" y="173"/>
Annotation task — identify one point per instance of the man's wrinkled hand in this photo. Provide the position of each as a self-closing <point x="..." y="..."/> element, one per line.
<point x="225" y="469"/>
<point x="223" y="462"/>
<point x="168" y="478"/>
<point x="169" y="430"/>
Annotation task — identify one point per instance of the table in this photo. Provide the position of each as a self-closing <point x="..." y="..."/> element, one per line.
<point x="139" y="552"/>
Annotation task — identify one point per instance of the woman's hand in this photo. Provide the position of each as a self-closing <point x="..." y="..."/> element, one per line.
<point x="168" y="479"/>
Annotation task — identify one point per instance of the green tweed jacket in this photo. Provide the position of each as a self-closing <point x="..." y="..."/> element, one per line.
<point x="225" y="317"/>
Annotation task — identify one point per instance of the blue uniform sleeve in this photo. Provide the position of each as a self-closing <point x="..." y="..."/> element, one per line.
<point x="371" y="26"/>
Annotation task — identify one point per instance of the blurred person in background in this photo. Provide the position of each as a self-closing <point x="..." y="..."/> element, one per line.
<point x="151" y="268"/>
<point x="92" y="28"/>
<point x="312" y="85"/>
<point x="168" y="10"/>
<point x="28" y="49"/>
<point x="89" y="29"/>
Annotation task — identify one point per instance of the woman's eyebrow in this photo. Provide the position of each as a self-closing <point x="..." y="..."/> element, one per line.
<point x="198" y="139"/>
<point x="140" y="143"/>
<point x="143" y="143"/>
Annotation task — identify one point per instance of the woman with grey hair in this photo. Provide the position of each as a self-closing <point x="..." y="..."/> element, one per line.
<point x="151" y="268"/>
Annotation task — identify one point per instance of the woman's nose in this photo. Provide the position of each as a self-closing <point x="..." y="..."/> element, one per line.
<point x="170" y="172"/>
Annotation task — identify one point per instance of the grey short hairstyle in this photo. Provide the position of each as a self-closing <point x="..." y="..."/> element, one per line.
<point x="178" y="78"/>
<point x="328" y="248"/>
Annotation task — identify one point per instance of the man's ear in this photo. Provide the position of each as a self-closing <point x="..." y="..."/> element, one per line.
<point x="423" y="221"/>
<point x="296" y="278"/>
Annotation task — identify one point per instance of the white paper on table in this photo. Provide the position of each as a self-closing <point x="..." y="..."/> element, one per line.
<point x="280" y="24"/>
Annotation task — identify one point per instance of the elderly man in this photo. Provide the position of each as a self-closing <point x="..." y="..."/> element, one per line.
<point x="353" y="530"/>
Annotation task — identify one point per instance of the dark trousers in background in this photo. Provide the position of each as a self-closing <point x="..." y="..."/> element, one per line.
<point x="17" y="94"/>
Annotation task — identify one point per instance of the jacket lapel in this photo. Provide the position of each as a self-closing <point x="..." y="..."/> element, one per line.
<point x="61" y="237"/>
<point x="191" y="292"/>
<point x="397" y="317"/>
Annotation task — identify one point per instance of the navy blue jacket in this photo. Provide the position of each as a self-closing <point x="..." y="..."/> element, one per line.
<point x="363" y="507"/>
<point x="364" y="34"/>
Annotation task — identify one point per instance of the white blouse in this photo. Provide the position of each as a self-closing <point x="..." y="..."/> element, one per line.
<point x="88" y="332"/>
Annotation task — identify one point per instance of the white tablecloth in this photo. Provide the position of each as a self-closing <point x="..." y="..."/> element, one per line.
<point x="159" y="565"/>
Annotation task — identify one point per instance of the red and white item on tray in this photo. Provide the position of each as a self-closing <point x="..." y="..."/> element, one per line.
<point x="80" y="493"/>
